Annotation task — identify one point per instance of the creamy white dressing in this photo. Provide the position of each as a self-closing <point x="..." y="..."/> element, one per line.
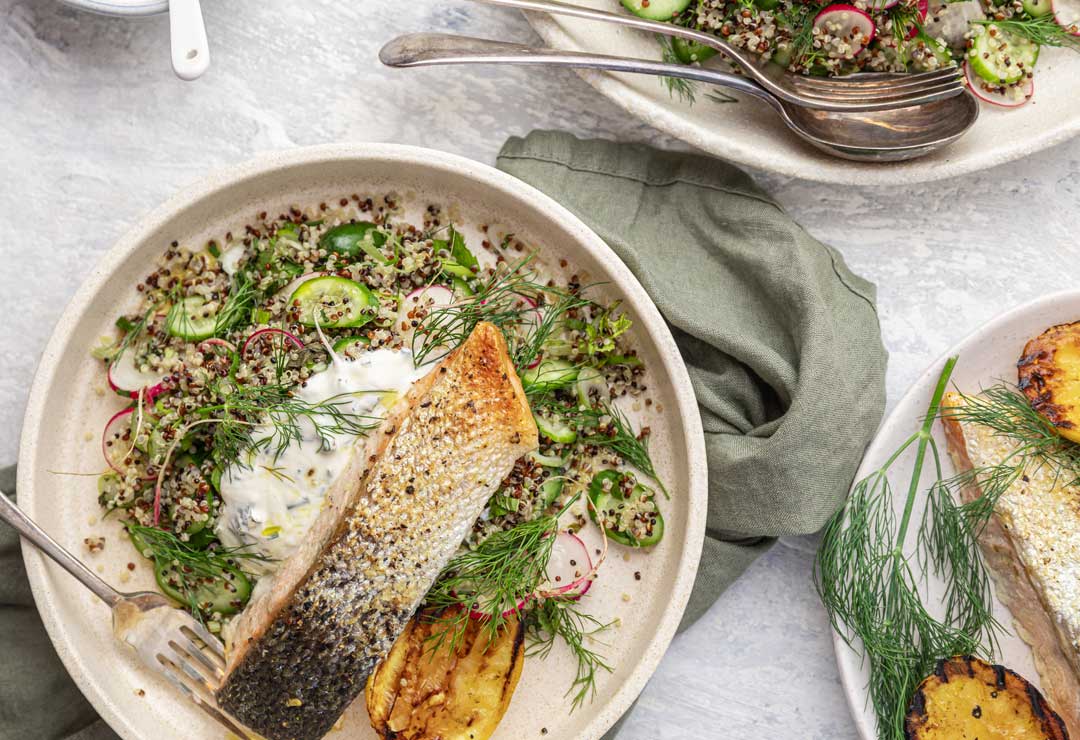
<point x="270" y="504"/>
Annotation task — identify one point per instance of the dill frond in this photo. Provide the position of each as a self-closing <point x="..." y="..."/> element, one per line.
<point x="1044" y="31"/>
<point x="869" y="578"/>
<point x="676" y="86"/>
<point x="561" y="618"/>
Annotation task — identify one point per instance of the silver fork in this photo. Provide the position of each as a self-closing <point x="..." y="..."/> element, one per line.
<point x="165" y="638"/>
<point x="851" y="93"/>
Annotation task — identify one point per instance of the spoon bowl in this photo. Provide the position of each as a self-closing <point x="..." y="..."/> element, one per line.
<point x="883" y="136"/>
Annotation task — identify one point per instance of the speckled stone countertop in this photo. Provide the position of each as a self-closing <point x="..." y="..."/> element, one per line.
<point x="96" y="131"/>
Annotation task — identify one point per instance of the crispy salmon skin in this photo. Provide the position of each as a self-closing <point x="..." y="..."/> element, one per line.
<point x="301" y="651"/>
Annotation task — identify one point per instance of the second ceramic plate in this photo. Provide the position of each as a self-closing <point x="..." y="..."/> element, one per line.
<point x="749" y="132"/>
<point x="987" y="356"/>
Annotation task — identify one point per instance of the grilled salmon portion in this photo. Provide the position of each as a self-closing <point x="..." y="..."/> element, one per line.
<point x="301" y="651"/>
<point x="1032" y="547"/>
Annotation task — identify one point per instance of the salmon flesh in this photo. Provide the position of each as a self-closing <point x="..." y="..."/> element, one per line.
<point x="301" y="651"/>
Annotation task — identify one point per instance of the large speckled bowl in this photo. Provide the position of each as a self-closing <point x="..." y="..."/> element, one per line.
<point x="749" y="132"/>
<point x="69" y="404"/>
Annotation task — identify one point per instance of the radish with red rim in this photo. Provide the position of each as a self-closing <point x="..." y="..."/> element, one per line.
<point x="851" y="29"/>
<point x="127" y="380"/>
<point x="291" y="338"/>
<point x="569" y="569"/>
<point x="429" y="297"/>
<point x="995" y="94"/>
<point x="117" y="440"/>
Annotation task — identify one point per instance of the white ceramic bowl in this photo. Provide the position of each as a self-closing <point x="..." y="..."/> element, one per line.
<point x="69" y="405"/>
<point x="987" y="355"/>
<point x="750" y="133"/>
<point x="123" y="8"/>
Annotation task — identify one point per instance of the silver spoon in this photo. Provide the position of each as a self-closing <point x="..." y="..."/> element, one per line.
<point x="879" y="136"/>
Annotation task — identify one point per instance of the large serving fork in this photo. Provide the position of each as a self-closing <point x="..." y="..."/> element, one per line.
<point x="850" y="93"/>
<point x="168" y="640"/>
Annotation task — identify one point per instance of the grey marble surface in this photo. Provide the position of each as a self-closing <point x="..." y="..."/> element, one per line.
<point x="96" y="131"/>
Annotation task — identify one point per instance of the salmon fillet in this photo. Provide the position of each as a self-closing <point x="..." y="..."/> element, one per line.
<point x="302" y="649"/>
<point x="1032" y="546"/>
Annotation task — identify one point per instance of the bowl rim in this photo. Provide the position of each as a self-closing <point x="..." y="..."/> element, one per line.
<point x="229" y="177"/>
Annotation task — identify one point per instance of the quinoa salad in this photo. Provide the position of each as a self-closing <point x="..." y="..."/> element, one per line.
<point x="254" y="362"/>
<point x="996" y="41"/>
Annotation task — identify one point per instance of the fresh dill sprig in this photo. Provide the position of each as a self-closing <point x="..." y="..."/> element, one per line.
<point x="247" y="407"/>
<point x="558" y="618"/>
<point x="1008" y="413"/>
<point x="526" y="310"/>
<point x="869" y="578"/>
<point x="236" y="305"/>
<point x="1044" y="30"/>
<point x="492" y="579"/>
<point x="683" y="88"/>
<point x="608" y="427"/>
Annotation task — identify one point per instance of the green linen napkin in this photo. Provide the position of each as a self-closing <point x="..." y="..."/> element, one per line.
<point x="781" y="340"/>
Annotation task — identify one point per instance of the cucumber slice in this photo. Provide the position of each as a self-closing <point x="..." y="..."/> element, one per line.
<point x="340" y="302"/>
<point x="590" y="382"/>
<point x="1037" y="8"/>
<point x="190" y="319"/>
<point x="615" y="506"/>
<point x="549" y="375"/>
<point x="656" y="10"/>
<point x="548" y="461"/>
<point x="689" y="52"/>
<point x="225" y="593"/>
<point x="355" y="240"/>
<point x="782" y="55"/>
<point x="555" y="428"/>
<point x="461" y="287"/>
<point x="342" y="345"/>
<point x="1000" y="57"/>
<point x="549" y="492"/>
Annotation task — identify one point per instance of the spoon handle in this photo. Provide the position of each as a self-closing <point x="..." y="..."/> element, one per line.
<point x="190" y="50"/>
<point x="29" y="530"/>
<point x="431" y="49"/>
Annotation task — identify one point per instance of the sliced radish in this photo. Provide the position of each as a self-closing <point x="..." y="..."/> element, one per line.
<point x="428" y="298"/>
<point x="992" y="94"/>
<point x="570" y="568"/>
<point x="851" y="29"/>
<point x="882" y="4"/>
<point x="1067" y="15"/>
<point x="127" y="380"/>
<point x="924" y="10"/>
<point x="292" y="338"/>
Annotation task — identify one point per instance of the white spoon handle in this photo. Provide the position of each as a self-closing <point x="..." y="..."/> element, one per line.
<point x="190" y="52"/>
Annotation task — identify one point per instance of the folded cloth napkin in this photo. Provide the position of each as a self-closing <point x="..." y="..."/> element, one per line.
<point x="781" y="340"/>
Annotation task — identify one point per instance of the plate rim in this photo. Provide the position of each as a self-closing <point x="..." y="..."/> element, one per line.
<point x="221" y="179"/>
<point x="669" y="121"/>
<point x="120" y="8"/>
<point x="919" y="391"/>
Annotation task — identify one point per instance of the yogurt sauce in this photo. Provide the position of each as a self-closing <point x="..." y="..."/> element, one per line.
<point x="270" y="504"/>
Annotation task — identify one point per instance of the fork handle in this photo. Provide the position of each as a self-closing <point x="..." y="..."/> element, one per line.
<point x="26" y="527"/>
<point x="554" y="7"/>
<point x="432" y="49"/>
